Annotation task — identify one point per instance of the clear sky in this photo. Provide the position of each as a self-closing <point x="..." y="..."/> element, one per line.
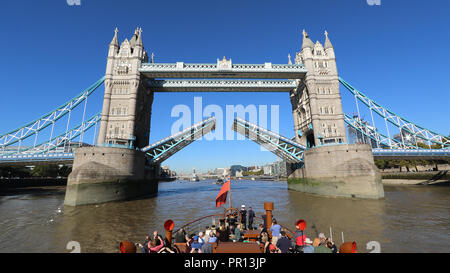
<point x="396" y="53"/>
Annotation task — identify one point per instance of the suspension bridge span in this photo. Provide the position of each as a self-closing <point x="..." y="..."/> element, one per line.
<point x="113" y="159"/>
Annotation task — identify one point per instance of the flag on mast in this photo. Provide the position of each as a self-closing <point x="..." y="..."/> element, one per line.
<point x="222" y="196"/>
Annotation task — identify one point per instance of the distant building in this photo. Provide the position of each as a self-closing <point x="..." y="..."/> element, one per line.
<point x="278" y="168"/>
<point x="407" y="138"/>
<point x="253" y="168"/>
<point x="237" y="168"/>
<point x="221" y="171"/>
<point x="361" y="135"/>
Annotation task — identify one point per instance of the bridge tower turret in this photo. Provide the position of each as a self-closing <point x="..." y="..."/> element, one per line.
<point x="127" y="99"/>
<point x="316" y="103"/>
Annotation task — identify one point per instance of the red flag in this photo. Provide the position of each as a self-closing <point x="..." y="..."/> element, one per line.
<point x="222" y="196"/>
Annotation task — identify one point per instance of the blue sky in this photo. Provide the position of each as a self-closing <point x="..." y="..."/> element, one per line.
<point x="397" y="54"/>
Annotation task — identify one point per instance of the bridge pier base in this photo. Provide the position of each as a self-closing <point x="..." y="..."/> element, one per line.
<point x="346" y="170"/>
<point x="102" y="174"/>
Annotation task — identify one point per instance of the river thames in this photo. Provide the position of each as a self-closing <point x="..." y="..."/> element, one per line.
<point x="409" y="219"/>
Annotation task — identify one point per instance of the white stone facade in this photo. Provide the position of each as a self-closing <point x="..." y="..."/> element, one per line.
<point x="316" y="103"/>
<point x="127" y="100"/>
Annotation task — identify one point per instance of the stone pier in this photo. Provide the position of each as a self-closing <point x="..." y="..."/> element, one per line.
<point x="345" y="170"/>
<point x="103" y="174"/>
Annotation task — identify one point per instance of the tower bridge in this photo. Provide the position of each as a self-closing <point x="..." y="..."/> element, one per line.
<point x="121" y="163"/>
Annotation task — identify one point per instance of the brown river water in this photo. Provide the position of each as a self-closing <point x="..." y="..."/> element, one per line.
<point x="409" y="219"/>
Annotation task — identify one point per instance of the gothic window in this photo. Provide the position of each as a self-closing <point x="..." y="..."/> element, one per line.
<point x="116" y="130"/>
<point x="326" y="110"/>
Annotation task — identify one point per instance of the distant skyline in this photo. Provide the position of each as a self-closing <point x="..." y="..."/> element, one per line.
<point x="396" y="53"/>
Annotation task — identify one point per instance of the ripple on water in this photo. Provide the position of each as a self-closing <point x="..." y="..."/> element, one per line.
<point x="40" y="223"/>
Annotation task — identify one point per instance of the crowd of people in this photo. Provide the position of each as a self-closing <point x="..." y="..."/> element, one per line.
<point x="232" y="228"/>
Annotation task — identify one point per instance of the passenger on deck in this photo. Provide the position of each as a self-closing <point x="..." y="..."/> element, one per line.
<point x="243" y="217"/>
<point x="144" y="246"/>
<point x="251" y="216"/>
<point x="224" y="234"/>
<point x="331" y="246"/>
<point x="308" y="248"/>
<point x="322" y="248"/>
<point x="299" y="238"/>
<point x="212" y="237"/>
<point x="200" y="238"/>
<point x="180" y="236"/>
<point x="271" y="248"/>
<point x="262" y="228"/>
<point x="154" y="246"/>
<point x="207" y="248"/>
<point x="275" y="229"/>
<point x="284" y="243"/>
<point x="237" y="234"/>
<point x="196" y="246"/>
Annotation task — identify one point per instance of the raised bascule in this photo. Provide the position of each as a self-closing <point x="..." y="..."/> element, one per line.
<point x="121" y="164"/>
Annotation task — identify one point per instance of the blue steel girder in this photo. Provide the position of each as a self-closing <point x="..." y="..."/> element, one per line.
<point x="35" y="158"/>
<point x="396" y="120"/>
<point x="411" y="154"/>
<point x="48" y="119"/>
<point x="57" y="141"/>
<point x="165" y="148"/>
<point x="285" y="148"/>
<point x="373" y="134"/>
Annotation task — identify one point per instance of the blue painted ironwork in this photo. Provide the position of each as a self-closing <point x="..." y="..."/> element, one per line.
<point x="283" y="147"/>
<point x="401" y="123"/>
<point x="165" y="148"/>
<point x="212" y="85"/>
<point x="46" y="120"/>
<point x="373" y="134"/>
<point x="411" y="153"/>
<point x="58" y="141"/>
<point x="31" y="158"/>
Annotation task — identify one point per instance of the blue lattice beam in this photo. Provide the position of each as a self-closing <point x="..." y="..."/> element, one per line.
<point x="165" y="148"/>
<point x="46" y="120"/>
<point x="414" y="130"/>
<point x="285" y="148"/>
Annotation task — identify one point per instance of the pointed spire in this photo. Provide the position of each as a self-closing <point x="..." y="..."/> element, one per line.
<point x="139" y="39"/>
<point x="114" y="41"/>
<point x="327" y="41"/>
<point x="134" y="38"/>
<point x="289" y="59"/>
<point x="306" y="41"/>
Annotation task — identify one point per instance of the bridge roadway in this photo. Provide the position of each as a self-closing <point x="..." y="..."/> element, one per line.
<point x="67" y="158"/>
<point x="222" y="85"/>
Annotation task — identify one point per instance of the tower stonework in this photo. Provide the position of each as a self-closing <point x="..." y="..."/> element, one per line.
<point x="127" y="100"/>
<point x="116" y="169"/>
<point x="340" y="169"/>
<point x="316" y="103"/>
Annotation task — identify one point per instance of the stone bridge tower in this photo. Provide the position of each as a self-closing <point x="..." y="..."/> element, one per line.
<point x="316" y="103"/>
<point x="345" y="170"/>
<point x="127" y="100"/>
<point x="114" y="169"/>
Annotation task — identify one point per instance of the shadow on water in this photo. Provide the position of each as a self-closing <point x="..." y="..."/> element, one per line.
<point x="36" y="191"/>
